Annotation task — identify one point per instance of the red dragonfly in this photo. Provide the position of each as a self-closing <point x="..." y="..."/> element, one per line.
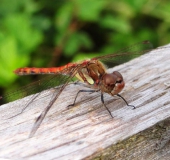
<point x="92" y="72"/>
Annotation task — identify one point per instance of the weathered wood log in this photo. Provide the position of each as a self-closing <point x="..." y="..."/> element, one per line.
<point x="86" y="131"/>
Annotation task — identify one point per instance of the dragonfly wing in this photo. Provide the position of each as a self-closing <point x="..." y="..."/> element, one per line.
<point x="40" y="118"/>
<point x="126" y="54"/>
<point x="59" y="80"/>
<point x="48" y="82"/>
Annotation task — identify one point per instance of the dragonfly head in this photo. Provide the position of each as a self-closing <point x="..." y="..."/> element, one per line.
<point x="113" y="82"/>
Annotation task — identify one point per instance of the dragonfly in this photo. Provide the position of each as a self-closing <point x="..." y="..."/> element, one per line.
<point x="92" y="72"/>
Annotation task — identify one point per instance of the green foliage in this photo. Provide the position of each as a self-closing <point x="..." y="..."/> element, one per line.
<point x="17" y="40"/>
<point x="42" y="33"/>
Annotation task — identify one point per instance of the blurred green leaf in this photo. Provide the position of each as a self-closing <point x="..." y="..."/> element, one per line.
<point x="136" y="5"/>
<point x="8" y="7"/>
<point x="88" y="10"/>
<point x="116" y="23"/>
<point x="63" y="17"/>
<point x="159" y="10"/>
<point x="19" y="26"/>
<point x="9" y="59"/>
<point x="77" y="41"/>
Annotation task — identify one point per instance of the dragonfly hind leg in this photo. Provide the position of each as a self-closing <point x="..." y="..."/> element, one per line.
<point x="91" y="91"/>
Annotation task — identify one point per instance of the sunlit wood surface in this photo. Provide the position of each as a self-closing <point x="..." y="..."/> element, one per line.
<point x="87" y="131"/>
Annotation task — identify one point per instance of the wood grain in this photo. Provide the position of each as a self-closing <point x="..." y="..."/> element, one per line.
<point x="87" y="131"/>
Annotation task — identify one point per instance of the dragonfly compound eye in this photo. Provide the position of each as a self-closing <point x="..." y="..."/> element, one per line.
<point x="109" y="81"/>
<point x="118" y="75"/>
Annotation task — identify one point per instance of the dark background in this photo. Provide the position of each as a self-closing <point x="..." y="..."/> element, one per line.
<point x="42" y="33"/>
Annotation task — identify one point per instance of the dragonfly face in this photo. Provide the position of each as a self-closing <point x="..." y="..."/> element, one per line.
<point x="112" y="83"/>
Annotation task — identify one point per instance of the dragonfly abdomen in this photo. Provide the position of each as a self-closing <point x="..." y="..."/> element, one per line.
<point x="52" y="70"/>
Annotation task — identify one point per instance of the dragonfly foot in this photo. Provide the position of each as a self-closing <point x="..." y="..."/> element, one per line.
<point x="133" y="107"/>
<point x="70" y="106"/>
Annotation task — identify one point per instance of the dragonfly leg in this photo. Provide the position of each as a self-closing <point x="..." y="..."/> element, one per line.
<point x="126" y="101"/>
<point x="71" y="105"/>
<point x="102" y="99"/>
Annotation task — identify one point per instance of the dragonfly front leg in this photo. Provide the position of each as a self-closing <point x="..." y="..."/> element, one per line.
<point x="91" y="91"/>
<point x="126" y="101"/>
<point x="102" y="99"/>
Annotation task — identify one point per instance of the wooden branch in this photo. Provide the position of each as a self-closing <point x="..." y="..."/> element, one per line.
<point x="87" y="131"/>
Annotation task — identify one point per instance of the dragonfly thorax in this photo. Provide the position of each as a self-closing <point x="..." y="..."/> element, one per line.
<point x="112" y="83"/>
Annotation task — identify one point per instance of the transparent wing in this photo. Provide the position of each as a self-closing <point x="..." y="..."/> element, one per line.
<point x="126" y="54"/>
<point x="45" y="111"/>
<point x="48" y="82"/>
